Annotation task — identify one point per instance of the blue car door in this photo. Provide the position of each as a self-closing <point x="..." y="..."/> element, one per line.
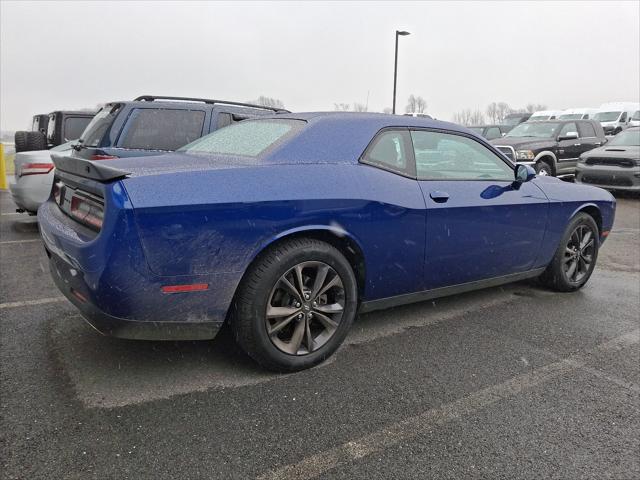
<point x="479" y="224"/>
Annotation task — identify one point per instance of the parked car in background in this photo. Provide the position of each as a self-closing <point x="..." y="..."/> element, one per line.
<point x="577" y="114"/>
<point x="150" y="124"/>
<point x="34" y="177"/>
<point x="615" y="117"/>
<point x="544" y="115"/>
<point x="616" y="166"/>
<point x="490" y="131"/>
<point x="286" y="226"/>
<point x="635" y="119"/>
<point x="56" y="128"/>
<point x="552" y="147"/>
<point x="514" y="119"/>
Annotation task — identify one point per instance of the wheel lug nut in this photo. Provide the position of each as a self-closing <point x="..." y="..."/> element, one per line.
<point x="299" y="315"/>
<point x="298" y="305"/>
<point x="306" y="295"/>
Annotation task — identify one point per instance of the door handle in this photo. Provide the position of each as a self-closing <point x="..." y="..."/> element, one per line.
<point x="439" y="197"/>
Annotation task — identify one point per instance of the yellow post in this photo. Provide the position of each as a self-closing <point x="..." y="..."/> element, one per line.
<point x="3" y="169"/>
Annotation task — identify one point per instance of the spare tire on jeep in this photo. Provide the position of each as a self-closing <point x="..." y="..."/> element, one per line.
<point x="29" y="141"/>
<point x="20" y="140"/>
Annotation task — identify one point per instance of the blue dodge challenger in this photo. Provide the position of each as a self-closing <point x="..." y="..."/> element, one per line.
<point x="287" y="226"/>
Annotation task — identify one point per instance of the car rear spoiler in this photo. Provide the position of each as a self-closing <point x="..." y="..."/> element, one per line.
<point x="87" y="168"/>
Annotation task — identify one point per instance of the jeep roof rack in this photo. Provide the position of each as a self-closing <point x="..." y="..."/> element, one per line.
<point x="151" y="98"/>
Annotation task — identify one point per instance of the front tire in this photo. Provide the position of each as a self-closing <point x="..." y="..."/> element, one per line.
<point x="575" y="259"/>
<point x="543" y="169"/>
<point x="295" y="305"/>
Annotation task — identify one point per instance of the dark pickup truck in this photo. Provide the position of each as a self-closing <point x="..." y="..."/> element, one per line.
<point x="552" y="147"/>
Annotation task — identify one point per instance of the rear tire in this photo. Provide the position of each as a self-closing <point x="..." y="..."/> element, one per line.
<point x="287" y="286"/>
<point x="544" y="169"/>
<point x="575" y="258"/>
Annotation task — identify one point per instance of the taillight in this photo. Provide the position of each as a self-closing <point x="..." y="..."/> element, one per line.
<point x="87" y="210"/>
<point x="35" y="169"/>
<point x="57" y="191"/>
<point x="103" y="157"/>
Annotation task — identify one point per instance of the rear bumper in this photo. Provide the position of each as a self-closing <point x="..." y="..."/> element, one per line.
<point x="611" y="178"/>
<point x="70" y="284"/>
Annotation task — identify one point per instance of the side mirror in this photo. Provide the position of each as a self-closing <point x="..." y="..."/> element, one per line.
<point x="524" y="173"/>
<point x="568" y="136"/>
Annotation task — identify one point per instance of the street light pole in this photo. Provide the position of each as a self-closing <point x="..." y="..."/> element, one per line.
<point x="395" y="69"/>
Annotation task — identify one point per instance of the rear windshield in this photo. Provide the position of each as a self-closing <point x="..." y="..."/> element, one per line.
<point x="249" y="138"/>
<point x="98" y="126"/>
<point x="161" y="129"/>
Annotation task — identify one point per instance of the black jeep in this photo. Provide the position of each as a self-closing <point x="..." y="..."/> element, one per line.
<point x="53" y="129"/>
<point x="552" y="147"/>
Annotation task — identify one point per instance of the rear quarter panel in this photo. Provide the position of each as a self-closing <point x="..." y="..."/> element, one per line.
<point x="217" y="221"/>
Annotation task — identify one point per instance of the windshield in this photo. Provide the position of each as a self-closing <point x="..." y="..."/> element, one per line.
<point x="539" y="130"/>
<point x="570" y="116"/>
<point x="512" y="120"/>
<point x="636" y="115"/>
<point x="627" y="138"/>
<point x="98" y="126"/>
<point x="540" y="117"/>
<point x="477" y="129"/>
<point x="607" y="116"/>
<point x="248" y="138"/>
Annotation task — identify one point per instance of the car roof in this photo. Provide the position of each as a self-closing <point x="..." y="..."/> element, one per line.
<point x="343" y="136"/>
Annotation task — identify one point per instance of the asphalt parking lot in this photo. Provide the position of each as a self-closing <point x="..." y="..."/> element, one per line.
<point x="511" y="382"/>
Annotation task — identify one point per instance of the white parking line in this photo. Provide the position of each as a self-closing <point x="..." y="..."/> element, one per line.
<point x="9" y="213"/>
<point x="10" y="242"/>
<point x="317" y="464"/>
<point x="26" y="303"/>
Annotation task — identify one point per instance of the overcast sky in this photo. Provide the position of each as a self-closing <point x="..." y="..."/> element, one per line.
<point x="68" y="55"/>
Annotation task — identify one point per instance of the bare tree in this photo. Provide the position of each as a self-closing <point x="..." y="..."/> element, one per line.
<point x="492" y="112"/>
<point x="535" y="107"/>
<point x="359" y="107"/>
<point x="469" y="117"/>
<point x="415" y="104"/>
<point x="342" y="107"/>
<point x="267" y="102"/>
<point x="503" y="110"/>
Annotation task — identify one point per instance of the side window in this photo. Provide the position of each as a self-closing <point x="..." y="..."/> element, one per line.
<point x="389" y="151"/>
<point x="493" y="132"/>
<point x="443" y="156"/>
<point x="568" y="128"/>
<point x="586" y="130"/>
<point x="159" y="129"/>
<point x="623" y="117"/>
<point x="224" y="119"/>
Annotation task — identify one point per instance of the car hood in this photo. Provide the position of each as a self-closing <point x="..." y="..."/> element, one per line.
<point x="612" y="151"/>
<point x="177" y="162"/>
<point x="523" y="142"/>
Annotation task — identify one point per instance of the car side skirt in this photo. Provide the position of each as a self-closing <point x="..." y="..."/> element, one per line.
<point x="396" y="301"/>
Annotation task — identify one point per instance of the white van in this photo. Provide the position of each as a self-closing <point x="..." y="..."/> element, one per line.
<point x="545" y="115"/>
<point x="615" y="117"/>
<point x="635" y="119"/>
<point x="577" y="113"/>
